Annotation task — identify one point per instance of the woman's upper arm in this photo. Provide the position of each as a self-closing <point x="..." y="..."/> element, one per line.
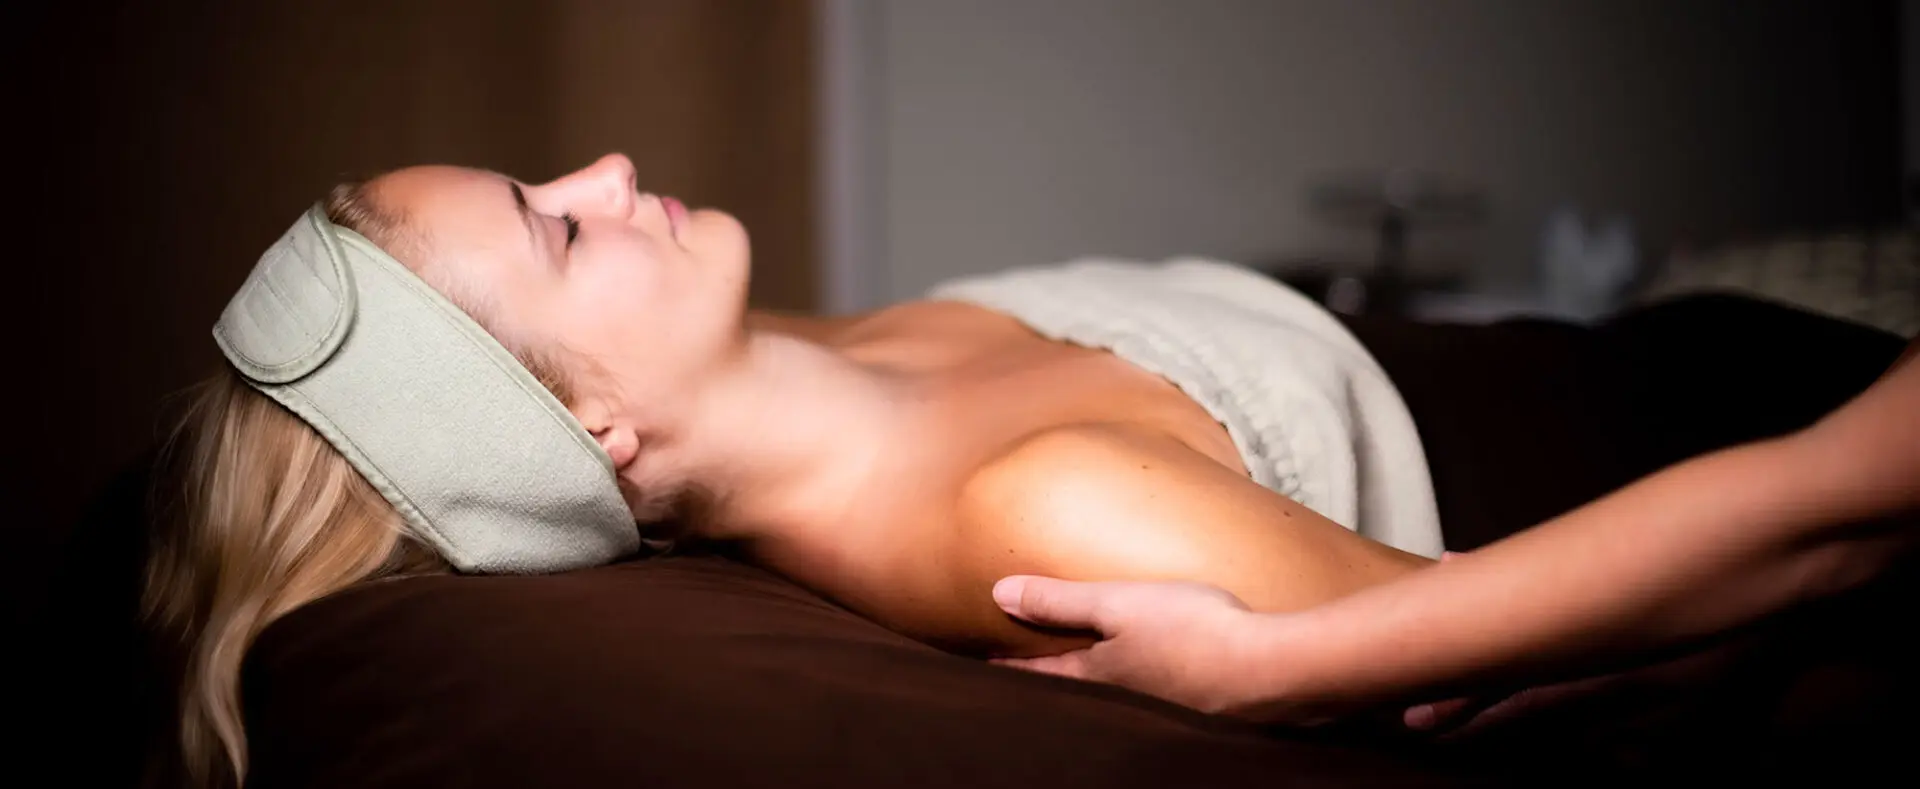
<point x="1099" y="503"/>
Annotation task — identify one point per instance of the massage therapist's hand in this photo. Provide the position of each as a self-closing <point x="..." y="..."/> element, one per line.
<point x="1188" y="643"/>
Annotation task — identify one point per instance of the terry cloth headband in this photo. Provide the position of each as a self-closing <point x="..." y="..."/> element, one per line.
<point x="479" y="458"/>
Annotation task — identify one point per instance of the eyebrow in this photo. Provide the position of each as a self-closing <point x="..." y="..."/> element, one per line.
<point x="526" y="214"/>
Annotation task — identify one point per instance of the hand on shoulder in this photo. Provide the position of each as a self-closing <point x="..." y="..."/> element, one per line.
<point x="1114" y="503"/>
<point x="1189" y="643"/>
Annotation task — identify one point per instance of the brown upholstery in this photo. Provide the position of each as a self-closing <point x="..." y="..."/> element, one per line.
<point x="704" y="672"/>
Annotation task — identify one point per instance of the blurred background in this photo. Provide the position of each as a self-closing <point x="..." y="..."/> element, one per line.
<point x="1452" y="160"/>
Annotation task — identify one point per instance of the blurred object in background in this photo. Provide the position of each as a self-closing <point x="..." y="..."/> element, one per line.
<point x="1872" y="278"/>
<point x="1585" y="271"/>
<point x="1391" y="206"/>
<point x="1869" y="277"/>
<point x="1582" y="272"/>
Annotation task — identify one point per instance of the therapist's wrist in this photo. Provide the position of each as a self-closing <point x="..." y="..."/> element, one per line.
<point x="1285" y="669"/>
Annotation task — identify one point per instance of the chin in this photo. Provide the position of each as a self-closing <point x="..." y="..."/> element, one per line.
<point x="717" y="235"/>
<point x="715" y="223"/>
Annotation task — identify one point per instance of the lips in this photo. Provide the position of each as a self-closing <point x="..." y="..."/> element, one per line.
<point x="676" y="213"/>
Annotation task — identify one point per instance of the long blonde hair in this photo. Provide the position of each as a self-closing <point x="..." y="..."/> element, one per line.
<point x="259" y="516"/>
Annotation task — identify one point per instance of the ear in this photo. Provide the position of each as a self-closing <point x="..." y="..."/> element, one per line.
<point x="620" y="440"/>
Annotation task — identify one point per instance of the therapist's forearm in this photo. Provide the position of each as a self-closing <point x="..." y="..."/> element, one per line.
<point x="1707" y="545"/>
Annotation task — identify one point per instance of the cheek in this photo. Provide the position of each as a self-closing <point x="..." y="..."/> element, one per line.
<point x="622" y="298"/>
<point x="623" y="294"/>
<point x="623" y="271"/>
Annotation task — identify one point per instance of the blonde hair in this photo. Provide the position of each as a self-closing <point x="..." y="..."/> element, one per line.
<point x="263" y="516"/>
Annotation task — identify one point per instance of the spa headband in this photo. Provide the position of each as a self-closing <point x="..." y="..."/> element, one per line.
<point x="480" y="459"/>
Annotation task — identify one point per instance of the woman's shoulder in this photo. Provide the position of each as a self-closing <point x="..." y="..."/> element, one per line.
<point x="1071" y="450"/>
<point x="1071" y="473"/>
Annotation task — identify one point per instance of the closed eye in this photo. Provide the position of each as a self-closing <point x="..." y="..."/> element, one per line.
<point x="573" y="226"/>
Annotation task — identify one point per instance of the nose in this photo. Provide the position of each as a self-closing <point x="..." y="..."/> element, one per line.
<point x="613" y="174"/>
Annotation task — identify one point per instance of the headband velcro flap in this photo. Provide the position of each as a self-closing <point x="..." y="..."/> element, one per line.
<point x="294" y="309"/>
<point x="479" y="458"/>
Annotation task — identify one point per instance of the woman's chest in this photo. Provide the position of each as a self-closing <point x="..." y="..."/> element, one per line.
<point x="904" y="557"/>
<point x="985" y="380"/>
<point x="1005" y="391"/>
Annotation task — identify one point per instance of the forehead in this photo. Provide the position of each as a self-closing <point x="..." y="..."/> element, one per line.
<point x="464" y="220"/>
<point x="447" y="203"/>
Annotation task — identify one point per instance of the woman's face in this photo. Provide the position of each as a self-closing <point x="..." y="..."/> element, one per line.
<point x="647" y="291"/>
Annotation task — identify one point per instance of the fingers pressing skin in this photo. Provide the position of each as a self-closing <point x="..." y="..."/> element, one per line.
<point x="1050" y="602"/>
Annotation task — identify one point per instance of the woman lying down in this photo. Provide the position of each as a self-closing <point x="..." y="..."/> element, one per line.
<point x="447" y="369"/>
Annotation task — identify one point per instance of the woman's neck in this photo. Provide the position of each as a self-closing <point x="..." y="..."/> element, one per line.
<point x="789" y="433"/>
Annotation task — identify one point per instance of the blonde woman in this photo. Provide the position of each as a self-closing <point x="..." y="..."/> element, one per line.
<point x="449" y="369"/>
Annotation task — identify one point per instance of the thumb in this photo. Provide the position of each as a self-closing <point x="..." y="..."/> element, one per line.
<point x="1049" y="601"/>
<point x="1438" y="715"/>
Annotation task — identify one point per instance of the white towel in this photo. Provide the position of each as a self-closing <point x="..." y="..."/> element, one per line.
<point x="1313" y="415"/>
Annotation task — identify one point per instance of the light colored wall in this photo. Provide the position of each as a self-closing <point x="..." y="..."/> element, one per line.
<point x="1007" y="132"/>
